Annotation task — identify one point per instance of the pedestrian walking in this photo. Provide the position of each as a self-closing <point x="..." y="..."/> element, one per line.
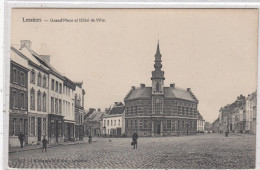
<point x="44" y="144"/>
<point x="135" y="137"/>
<point x="89" y="139"/>
<point x="21" y="138"/>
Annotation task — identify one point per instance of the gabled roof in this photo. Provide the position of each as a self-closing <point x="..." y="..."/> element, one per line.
<point x="95" y="116"/>
<point x="116" y="110"/>
<point x="88" y="113"/>
<point x="169" y="92"/>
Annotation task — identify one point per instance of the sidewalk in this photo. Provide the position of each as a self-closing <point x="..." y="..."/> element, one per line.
<point x="35" y="147"/>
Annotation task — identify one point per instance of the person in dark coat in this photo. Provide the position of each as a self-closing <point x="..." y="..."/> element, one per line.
<point x="44" y="144"/>
<point x="135" y="137"/>
<point x="21" y="138"/>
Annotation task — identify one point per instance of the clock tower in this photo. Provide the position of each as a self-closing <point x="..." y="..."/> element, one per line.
<point x="157" y="84"/>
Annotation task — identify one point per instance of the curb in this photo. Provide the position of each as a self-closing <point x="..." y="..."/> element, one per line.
<point x="50" y="146"/>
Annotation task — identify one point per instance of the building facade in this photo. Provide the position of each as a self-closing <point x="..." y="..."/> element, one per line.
<point x="160" y="110"/>
<point x="113" y="121"/>
<point x="93" y="123"/>
<point x="49" y="107"/>
<point x="18" y="107"/>
<point x="251" y="105"/>
<point x="200" y="123"/>
<point x="79" y="111"/>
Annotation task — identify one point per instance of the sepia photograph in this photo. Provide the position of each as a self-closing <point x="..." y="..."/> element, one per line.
<point x="132" y="88"/>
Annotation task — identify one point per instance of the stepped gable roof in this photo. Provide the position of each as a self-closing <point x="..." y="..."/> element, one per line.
<point x="169" y="92"/>
<point x="117" y="110"/>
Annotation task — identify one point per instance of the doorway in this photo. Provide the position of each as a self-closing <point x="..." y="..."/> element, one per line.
<point x="157" y="128"/>
<point x="57" y="130"/>
<point x="39" y="129"/>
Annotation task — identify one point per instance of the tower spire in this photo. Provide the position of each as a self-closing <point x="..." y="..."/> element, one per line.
<point x="158" y="48"/>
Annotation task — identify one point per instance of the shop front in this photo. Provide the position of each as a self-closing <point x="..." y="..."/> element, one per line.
<point x="55" y="127"/>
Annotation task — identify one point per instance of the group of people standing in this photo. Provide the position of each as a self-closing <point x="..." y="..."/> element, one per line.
<point x="21" y="138"/>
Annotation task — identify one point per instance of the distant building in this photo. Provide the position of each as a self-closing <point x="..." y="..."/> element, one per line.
<point x="232" y="116"/>
<point x="251" y="105"/>
<point x="93" y="123"/>
<point x="215" y="126"/>
<point x="159" y="110"/>
<point x="113" y="121"/>
<point x="200" y="123"/>
<point x="79" y="111"/>
<point x="208" y="127"/>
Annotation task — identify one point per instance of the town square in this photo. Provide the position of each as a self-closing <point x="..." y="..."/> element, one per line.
<point x="201" y="151"/>
<point x="87" y="95"/>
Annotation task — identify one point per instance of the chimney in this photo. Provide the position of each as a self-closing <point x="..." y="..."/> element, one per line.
<point x="133" y="87"/>
<point x="106" y="110"/>
<point x="25" y="43"/>
<point x="172" y="85"/>
<point x="99" y="110"/>
<point x="142" y="85"/>
<point x="46" y="57"/>
<point x="116" y="103"/>
<point x="188" y="89"/>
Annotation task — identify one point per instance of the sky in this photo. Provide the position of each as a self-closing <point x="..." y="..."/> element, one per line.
<point x="211" y="51"/>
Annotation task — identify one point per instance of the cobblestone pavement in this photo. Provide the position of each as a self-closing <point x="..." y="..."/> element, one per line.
<point x="197" y="151"/>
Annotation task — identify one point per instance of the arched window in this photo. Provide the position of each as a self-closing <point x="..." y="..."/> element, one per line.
<point x="32" y="99"/>
<point x="14" y="99"/>
<point x="44" y="82"/>
<point x="22" y="78"/>
<point x="39" y="79"/>
<point x="39" y="100"/>
<point x="32" y="76"/>
<point x="44" y="101"/>
<point x="157" y="87"/>
<point x="14" y="75"/>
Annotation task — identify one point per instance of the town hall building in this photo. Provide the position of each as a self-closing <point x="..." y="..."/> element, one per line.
<point x="160" y="110"/>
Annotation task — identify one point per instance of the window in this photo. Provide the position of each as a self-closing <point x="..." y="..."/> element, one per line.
<point x="114" y="122"/>
<point x="169" y="124"/>
<point x="119" y="122"/>
<point x="135" y="109"/>
<point x="14" y="99"/>
<point x="56" y="106"/>
<point x="32" y="99"/>
<point x="107" y="122"/>
<point x="60" y="88"/>
<point x="14" y="75"/>
<point x="22" y="100"/>
<point x="60" y="106"/>
<point x="21" y="126"/>
<point x="157" y="87"/>
<point x="22" y="78"/>
<point x="131" y="124"/>
<point x="145" y="124"/>
<point x="104" y="122"/>
<point x="44" y="102"/>
<point x="32" y="76"/>
<point x="52" y="105"/>
<point x="44" y="126"/>
<point x="14" y="126"/>
<point x="52" y="84"/>
<point x="39" y="79"/>
<point x="136" y="124"/>
<point x="39" y="101"/>
<point x="44" y="82"/>
<point x="132" y="110"/>
<point x="32" y="125"/>
<point x="57" y="86"/>
<point x="127" y="110"/>
<point x="111" y="123"/>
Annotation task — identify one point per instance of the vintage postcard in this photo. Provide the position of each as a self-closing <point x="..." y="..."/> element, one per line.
<point x="132" y="88"/>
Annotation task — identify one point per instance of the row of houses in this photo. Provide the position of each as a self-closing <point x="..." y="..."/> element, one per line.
<point x="43" y="102"/>
<point x="238" y="117"/>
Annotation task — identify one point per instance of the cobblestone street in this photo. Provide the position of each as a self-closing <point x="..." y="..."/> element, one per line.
<point x="197" y="151"/>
